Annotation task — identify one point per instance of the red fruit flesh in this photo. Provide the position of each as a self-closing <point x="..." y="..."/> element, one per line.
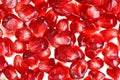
<point x="68" y="53"/>
<point x="95" y="63"/>
<point x="37" y="45"/>
<point x="59" y="72"/>
<point x="23" y="34"/>
<point x="78" y="69"/>
<point x="110" y="51"/>
<point x="12" y="22"/>
<point x="46" y="65"/>
<point x="10" y="72"/>
<point x="3" y="63"/>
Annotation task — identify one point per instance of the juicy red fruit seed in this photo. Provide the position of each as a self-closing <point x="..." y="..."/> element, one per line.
<point x="59" y="72"/>
<point x="29" y="58"/>
<point x="3" y="63"/>
<point x="78" y="69"/>
<point x="46" y="65"/>
<point x="39" y="26"/>
<point x="10" y="3"/>
<point x="23" y="34"/>
<point x="19" y="64"/>
<point x="68" y="53"/>
<point x="19" y="46"/>
<point x="26" y="12"/>
<point x="96" y="42"/>
<point x="77" y="26"/>
<point x="95" y="63"/>
<point x="10" y="72"/>
<point x="96" y="75"/>
<point x="107" y="21"/>
<point x="51" y="18"/>
<point x="110" y="51"/>
<point x="62" y="25"/>
<point x="12" y="22"/>
<point x="37" y="45"/>
<point x="63" y="38"/>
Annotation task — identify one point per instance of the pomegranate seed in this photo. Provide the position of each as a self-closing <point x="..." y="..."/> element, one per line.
<point x="10" y="72"/>
<point x="107" y="21"/>
<point x="116" y="72"/>
<point x="26" y="12"/>
<point x="68" y="53"/>
<point x="46" y="65"/>
<point x="77" y="26"/>
<point x="90" y="12"/>
<point x="112" y="7"/>
<point x="41" y="8"/>
<point x="96" y="41"/>
<point x="112" y="62"/>
<point x="12" y="22"/>
<point x="32" y="75"/>
<point x="10" y="3"/>
<point x="51" y="18"/>
<point x="90" y="53"/>
<point x="39" y="26"/>
<point x="29" y="58"/>
<point x="4" y="10"/>
<point x="108" y="34"/>
<point x="19" y="46"/>
<point x="110" y="51"/>
<point x="63" y="38"/>
<point x="78" y="69"/>
<point x="37" y="45"/>
<point x="19" y="64"/>
<point x="95" y="63"/>
<point x="62" y="25"/>
<point x="3" y="63"/>
<point x="96" y="75"/>
<point x="24" y="34"/>
<point x="59" y="72"/>
<point x="44" y="54"/>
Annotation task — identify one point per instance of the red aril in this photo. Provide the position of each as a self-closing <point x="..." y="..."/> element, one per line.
<point x="62" y="25"/>
<point x="29" y="58"/>
<point x="63" y="38"/>
<point x="46" y="65"/>
<point x="44" y="54"/>
<point x="114" y="73"/>
<point x="95" y="63"/>
<point x="11" y="22"/>
<point x="41" y="8"/>
<point x="110" y="51"/>
<point x="109" y="34"/>
<point x="37" y="45"/>
<point x="19" y="64"/>
<point x="59" y="72"/>
<point x="78" y="69"/>
<point x="3" y="63"/>
<point x="24" y="34"/>
<point x="107" y="21"/>
<point x="19" y="46"/>
<point x="32" y="75"/>
<point x="10" y="72"/>
<point x="39" y="26"/>
<point x="112" y="62"/>
<point x="96" y="75"/>
<point x="51" y="18"/>
<point x="26" y="12"/>
<point x="10" y="3"/>
<point x="68" y="53"/>
<point x="77" y="26"/>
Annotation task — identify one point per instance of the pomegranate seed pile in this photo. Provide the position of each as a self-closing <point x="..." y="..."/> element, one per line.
<point x="59" y="39"/>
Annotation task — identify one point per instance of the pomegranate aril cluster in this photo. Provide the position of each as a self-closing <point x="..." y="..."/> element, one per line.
<point x="59" y="40"/>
